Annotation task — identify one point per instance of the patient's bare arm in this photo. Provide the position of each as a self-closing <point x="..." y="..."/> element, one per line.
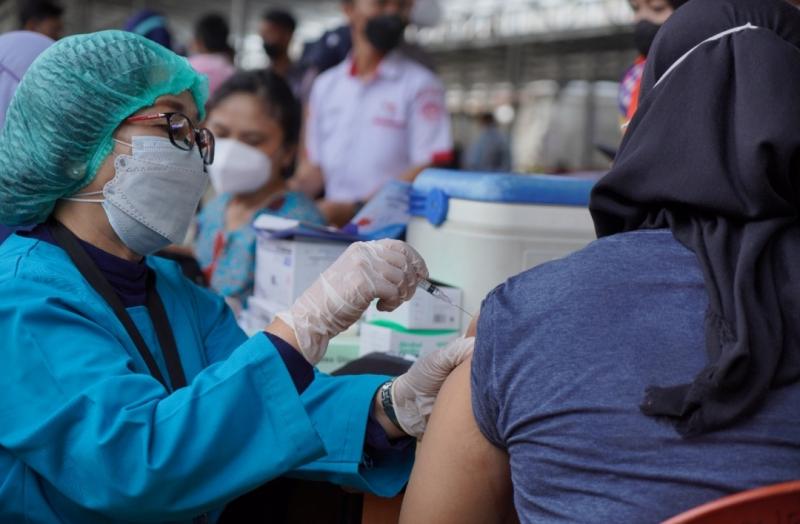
<point x="458" y="477"/>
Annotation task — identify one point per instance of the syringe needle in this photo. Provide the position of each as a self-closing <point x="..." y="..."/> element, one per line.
<point x="470" y="315"/>
<point x="438" y="293"/>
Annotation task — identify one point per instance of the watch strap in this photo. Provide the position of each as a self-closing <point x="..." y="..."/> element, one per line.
<point x="388" y="404"/>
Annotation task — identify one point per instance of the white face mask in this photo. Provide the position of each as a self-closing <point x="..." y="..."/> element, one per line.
<point x="238" y="168"/>
<point x="151" y="201"/>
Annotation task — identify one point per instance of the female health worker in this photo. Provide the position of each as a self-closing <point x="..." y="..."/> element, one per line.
<point x="126" y="392"/>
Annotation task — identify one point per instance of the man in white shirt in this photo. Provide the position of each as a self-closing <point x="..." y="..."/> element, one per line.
<point x="377" y="116"/>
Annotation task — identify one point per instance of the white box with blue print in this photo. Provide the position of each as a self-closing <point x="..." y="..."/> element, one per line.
<point x="423" y="311"/>
<point x="286" y="267"/>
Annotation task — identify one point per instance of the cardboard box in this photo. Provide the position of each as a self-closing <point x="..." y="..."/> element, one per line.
<point x="385" y="337"/>
<point x="257" y="316"/>
<point x="290" y="255"/>
<point x="423" y="311"/>
<point x="263" y="310"/>
<point x="249" y="323"/>
<point x="286" y="268"/>
<point x="341" y="350"/>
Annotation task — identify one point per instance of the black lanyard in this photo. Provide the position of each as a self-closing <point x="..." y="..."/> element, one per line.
<point x="69" y="243"/>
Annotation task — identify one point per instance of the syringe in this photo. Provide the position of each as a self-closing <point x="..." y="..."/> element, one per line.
<point x="438" y="293"/>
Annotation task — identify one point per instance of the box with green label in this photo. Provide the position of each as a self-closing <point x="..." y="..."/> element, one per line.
<point x="423" y="311"/>
<point x="341" y="350"/>
<point x="391" y="338"/>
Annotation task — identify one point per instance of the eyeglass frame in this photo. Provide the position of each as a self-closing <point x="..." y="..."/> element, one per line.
<point x="197" y="133"/>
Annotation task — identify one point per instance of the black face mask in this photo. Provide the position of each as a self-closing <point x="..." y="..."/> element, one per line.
<point x="385" y="32"/>
<point x="643" y="35"/>
<point x="273" y="50"/>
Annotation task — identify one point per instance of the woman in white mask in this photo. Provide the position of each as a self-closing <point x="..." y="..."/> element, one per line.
<point x="127" y="393"/>
<point x="256" y="120"/>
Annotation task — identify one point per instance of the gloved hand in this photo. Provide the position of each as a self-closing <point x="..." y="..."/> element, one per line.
<point x="388" y="270"/>
<point x="415" y="391"/>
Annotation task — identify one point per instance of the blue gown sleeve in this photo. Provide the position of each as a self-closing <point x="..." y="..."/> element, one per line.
<point x="114" y="441"/>
<point x="346" y="462"/>
<point x="339" y="409"/>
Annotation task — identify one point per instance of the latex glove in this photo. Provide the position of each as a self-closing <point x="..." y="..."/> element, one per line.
<point x="414" y="392"/>
<point x="388" y="270"/>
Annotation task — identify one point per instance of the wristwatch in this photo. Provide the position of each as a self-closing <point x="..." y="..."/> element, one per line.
<point x="388" y="404"/>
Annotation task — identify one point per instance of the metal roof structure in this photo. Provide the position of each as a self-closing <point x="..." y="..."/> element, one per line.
<point x="489" y="53"/>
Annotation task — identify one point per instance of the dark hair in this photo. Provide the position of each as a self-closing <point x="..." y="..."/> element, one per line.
<point x="38" y="10"/>
<point x="151" y="25"/>
<point x="281" y="18"/>
<point x="276" y="95"/>
<point x="212" y="31"/>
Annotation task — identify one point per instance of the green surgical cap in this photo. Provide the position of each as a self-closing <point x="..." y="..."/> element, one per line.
<point x="59" y="124"/>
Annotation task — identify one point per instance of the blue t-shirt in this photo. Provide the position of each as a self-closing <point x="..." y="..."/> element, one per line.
<point x="563" y="356"/>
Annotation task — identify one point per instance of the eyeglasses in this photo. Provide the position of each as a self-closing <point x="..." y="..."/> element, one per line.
<point x="183" y="134"/>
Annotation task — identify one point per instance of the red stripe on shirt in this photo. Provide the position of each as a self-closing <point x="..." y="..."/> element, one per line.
<point x="443" y="158"/>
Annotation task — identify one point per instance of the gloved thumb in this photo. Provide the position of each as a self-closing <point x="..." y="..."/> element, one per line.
<point x="443" y="362"/>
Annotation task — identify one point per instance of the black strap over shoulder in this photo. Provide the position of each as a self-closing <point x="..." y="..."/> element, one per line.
<point x="69" y="243"/>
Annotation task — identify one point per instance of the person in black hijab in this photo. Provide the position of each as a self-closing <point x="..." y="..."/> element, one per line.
<point x="700" y="249"/>
<point x="713" y="153"/>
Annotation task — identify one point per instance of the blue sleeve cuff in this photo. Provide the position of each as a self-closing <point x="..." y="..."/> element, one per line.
<point x="377" y="441"/>
<point x="348" y="461"/>
<point x="301" y="372"/>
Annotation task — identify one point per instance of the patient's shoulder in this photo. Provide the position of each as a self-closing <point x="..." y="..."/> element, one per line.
<point x="624" y="272"/>
<point x="625" y="261"/>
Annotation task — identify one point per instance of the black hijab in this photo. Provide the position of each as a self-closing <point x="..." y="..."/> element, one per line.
<point x="713" y="153"/>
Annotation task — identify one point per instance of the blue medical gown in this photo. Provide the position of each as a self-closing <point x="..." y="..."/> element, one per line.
<point x="87" y="435"/>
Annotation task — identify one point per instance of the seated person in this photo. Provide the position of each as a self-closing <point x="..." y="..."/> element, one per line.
<point x="658" y="368"/>
<point x="256" y="121"/>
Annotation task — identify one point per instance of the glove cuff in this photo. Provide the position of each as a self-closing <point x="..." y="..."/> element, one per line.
<point x="410" y="410"/>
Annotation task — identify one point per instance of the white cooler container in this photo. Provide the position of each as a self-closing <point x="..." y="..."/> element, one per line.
<point x="476" y="230"/>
